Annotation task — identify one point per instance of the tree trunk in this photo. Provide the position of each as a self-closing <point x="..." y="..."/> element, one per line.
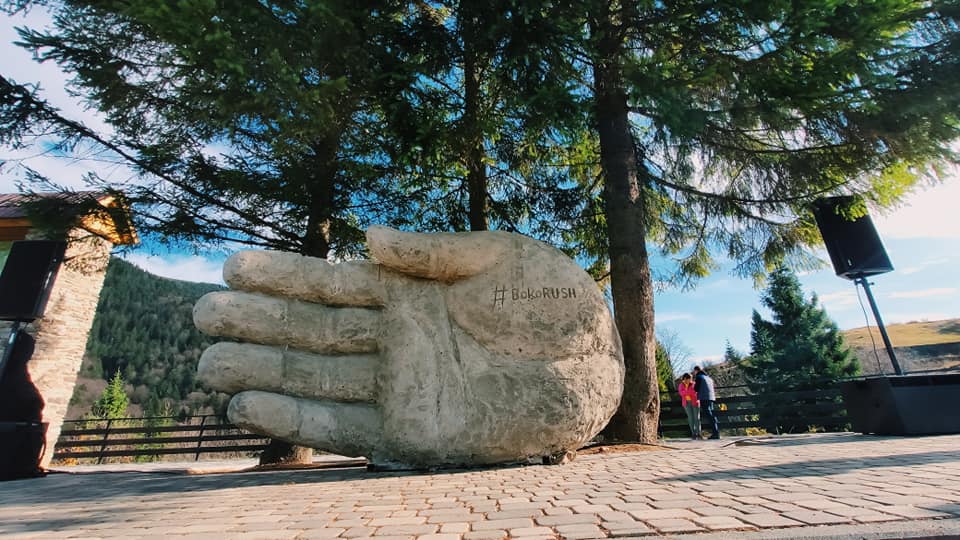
<point x="282" y="452"/>
<point x="316" y="243"/>
<point x="473" y="142"/>
<point x="630" y="280"/>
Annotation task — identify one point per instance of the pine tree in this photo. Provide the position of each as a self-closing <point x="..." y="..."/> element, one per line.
<point x="801" y="348"/>
<point x="113" y="402"/>
<point x="666" y="379"/>
<point x="715" y="124"/>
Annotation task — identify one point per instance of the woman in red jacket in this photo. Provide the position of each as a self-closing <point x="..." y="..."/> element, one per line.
<point x="691" y="405"/>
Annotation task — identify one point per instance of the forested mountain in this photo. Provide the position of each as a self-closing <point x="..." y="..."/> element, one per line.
<point x="144" y="329"/>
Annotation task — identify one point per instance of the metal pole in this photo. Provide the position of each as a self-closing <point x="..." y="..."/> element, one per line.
<point x="883" y="331"/>
<point x="8" y="348"/>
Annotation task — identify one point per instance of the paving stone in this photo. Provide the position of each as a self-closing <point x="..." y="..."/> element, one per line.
<point x="669" y="513"/>
<point x="491" y="534"/>
<point x="769" y="520"/>
<point x="454" y="528"/>
<point x="570" y="502"/>
<point x="385" y="522"/>
<point x="406" y="530"/>
<point x="709" y="510"/>
<point x="673" y="525"/>
<point x="910" y="512"/>
<point x="319" y="533"/>
<point x="676" y="503"/>
<point x="531" y="531"/>
<point x="465" y="517"/>
<point x="591" y="509"/>
<point x="783" y="507"/>
<point x="358" y="532"/>
<point x="572" y="519"/>
<point x="579" y="530"/>
<point x="721" y="523"/>
<point x="790" y="497"/>
<point x="616" y="517"/>
<point x="348" y="523"/>
<point x="513" y="514"/>
<point x="502" y="524"/>
<point x="630" y="506"/>
<point x="439" y="537"/>
<point x="636" y="529"/>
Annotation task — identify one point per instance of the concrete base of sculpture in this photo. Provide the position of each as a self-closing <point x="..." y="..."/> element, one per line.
<point x="449" y="350"/>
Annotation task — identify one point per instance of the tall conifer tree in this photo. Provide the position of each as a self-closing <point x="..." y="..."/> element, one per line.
<point x="799" y="349"/>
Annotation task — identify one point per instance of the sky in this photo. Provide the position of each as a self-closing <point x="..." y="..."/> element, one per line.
<point x="921" y="237"/>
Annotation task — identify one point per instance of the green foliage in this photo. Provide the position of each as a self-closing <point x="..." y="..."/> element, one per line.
<point x="144" y="331"/>
<point x="666" y="379"/>
<point x="292" y="96"/>
<point x="113" y="402"/>
<point x="705" y="128"/>
<point x="738" y="113"/>
<point x="801" y="348"/>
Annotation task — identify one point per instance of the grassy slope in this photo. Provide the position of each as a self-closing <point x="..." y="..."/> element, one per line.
<point x="908" y="334"/>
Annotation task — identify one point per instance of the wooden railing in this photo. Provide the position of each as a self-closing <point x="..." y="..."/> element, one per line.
<point x="157" y="436"/>
<point x="738" y="410"/>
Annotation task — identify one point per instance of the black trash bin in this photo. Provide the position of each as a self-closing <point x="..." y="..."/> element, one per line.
<point x="21" y="448"/>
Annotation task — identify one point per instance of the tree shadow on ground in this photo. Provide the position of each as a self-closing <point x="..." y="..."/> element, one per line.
<point x="822" y="467"/>
<point x="810" y="438"/>
<point x="65" y="488"/>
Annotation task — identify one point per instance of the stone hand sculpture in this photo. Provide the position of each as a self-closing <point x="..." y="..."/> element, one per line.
<point x="451" y="349"/>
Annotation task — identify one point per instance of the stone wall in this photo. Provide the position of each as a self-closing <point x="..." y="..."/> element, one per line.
<point x="61" y="335"/>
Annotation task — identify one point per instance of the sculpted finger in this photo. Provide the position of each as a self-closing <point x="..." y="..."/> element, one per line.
<point x="280" y="321"/>
<point x="235" y="367"/>
<point x="440" y="256"/>
<point x="345" y="429"/>
<point x="306" y="278"/>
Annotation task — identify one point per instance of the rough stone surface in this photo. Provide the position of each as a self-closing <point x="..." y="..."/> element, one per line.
<point x="61" y="334"/>
<point x="451" y="349"/>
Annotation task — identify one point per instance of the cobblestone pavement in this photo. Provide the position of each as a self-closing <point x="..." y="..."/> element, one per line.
<point x="698" y="487"/>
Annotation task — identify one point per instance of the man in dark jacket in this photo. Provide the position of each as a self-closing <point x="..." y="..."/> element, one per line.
<point x="707" y="395"/>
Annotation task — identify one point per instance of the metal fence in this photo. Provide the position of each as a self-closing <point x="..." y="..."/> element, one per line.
<point x="148" y="439"/>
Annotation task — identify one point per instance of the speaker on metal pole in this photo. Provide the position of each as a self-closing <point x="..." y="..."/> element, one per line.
<point x="854" y="246"/>
<point x="27" y="278"/>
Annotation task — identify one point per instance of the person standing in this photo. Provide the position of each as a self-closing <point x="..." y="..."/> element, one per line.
<point x="690" y="403"/>
<point x="707" y="395"/>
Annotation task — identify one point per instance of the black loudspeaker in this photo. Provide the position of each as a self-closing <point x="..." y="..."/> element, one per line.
<point x="854" y="246"/>
<point x="27" y="278"/>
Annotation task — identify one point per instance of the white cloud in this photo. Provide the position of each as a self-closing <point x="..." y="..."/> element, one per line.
<point x="924" y="293"/>
<point x="923" y="265"/>
<point x="19" y="65"/>
<point x="838" y="301"/>
<point x="182" y="267"/>
<point x="928" y="213"/>
<point x="674" y="316"/>
<point x="706" y="361"/>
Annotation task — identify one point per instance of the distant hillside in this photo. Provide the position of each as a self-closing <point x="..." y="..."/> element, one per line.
<point x="908" y="334"/>
<point x="919" y="346"/>
<point x="144" y="328"/>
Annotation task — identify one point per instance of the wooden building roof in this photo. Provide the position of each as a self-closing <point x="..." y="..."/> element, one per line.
<point x="102" y="214"/>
